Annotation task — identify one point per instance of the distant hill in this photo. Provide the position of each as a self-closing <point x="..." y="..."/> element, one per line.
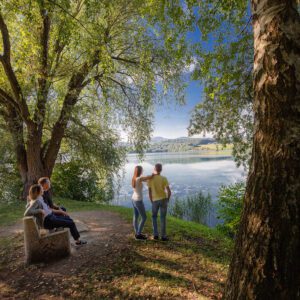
<point x="180" y="144"/>
<point x="158" y="139"/>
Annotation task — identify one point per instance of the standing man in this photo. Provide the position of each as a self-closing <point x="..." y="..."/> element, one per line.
<point x="159" y="194"/>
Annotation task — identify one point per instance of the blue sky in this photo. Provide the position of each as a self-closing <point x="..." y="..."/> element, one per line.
<point x="171" y="120"/>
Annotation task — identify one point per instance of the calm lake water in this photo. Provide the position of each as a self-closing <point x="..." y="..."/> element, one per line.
<point x="188" y="173"/>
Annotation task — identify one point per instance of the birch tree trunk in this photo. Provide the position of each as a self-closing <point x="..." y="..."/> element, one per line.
<point x="266" y="259"/>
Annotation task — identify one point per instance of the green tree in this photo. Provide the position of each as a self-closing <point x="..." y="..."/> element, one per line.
<point x="224" y="60"/>
<point x="265" y="263"/>
<point x="229" y="207"/>
<point x="10" y="183"/>
<point x="59" y="56"/>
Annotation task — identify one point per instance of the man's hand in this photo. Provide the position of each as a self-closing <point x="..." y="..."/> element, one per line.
<point x="64" y="213"/>
<point x="150" y="195"/>
<point x="60" y="212"/>
<point x="169" y="193"/>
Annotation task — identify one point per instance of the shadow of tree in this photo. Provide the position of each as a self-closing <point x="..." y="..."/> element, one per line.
<point x="180" y="269"/>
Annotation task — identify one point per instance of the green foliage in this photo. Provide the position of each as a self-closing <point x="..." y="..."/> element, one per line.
<point x="193" y="208"/>
<point x="224" y="65"/>
<point x="229" y="207"/>
<point x="179" y="145"/>
<point x="10" y="183"/>
<point x="74" y="180"/>
<point x="134" y="52"/>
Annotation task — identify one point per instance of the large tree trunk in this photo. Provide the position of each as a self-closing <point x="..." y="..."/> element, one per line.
<point x="266" y="259"/>
<point x="35" y="166"/>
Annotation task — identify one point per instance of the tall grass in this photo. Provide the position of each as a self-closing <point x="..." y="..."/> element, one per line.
<point x="192" y="208"/>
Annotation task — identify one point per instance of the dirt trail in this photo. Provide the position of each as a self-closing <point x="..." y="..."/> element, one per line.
<point x="107" y="235"/>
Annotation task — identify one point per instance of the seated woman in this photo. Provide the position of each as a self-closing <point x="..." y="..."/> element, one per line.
<point x="47" y="217"/>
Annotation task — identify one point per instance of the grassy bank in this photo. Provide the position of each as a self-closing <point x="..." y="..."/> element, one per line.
<point x="192" y="265"/>
<point x="177" y="228"/>
<point x="215" y="149"/>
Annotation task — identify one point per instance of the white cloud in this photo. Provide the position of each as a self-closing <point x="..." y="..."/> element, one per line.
<point x="189" y="68"/>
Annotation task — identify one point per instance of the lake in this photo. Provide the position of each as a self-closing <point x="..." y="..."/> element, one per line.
<point x="187" y="173"/>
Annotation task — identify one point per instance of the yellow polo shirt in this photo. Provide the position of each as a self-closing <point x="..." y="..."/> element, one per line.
<point x="158" y="186"/>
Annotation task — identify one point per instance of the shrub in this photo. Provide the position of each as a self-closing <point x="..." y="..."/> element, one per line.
<point x="74" y="180"/>
<point x="10" y="184"/>
<point x="229" y="207"/>
<point x="193" y="208"/>
<point x="10" y="181"/>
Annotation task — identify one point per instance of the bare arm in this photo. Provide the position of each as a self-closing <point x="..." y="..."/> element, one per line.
<point x="150" y="195"/>
<point x="169" y="192"/>
<point x="145" y="178"/>
<point x="59" y="212"/>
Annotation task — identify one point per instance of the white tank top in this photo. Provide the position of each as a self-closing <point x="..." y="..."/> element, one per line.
<point x="138" y="190"/>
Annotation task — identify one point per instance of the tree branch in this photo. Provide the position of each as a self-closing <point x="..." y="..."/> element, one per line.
<point x="5" y="39"/>
<point x="96" y="78"/>
<point x="125" y="59"/>
<point x="5" y="98"/>
<point x="3" y="113"/>
<point x="75" y="86"/>
<point x="40" y="111"/>
<point x="73" y="16"/>
<point x="5" y="60"/>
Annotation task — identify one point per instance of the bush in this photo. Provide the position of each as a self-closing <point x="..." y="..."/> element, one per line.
<point x="76" y="181"/>
<point x="229" y="207"/>
<point x="193" y="208"/>
<point x="10" y="181"/>
<point x="10" y="184"/>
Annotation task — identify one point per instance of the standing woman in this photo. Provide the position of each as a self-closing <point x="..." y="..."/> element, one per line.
<point x="137" y="201"/>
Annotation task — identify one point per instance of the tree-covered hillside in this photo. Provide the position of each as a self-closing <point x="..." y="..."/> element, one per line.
<point x="182" y="144"/>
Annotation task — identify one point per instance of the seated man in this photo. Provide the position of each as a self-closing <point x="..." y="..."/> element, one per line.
<point x="46" y="185"/>
<point x="47" y="217"/>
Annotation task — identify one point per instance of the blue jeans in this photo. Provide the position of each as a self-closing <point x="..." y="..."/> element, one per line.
<point x="52" y="221"/>
<point x="138" y="210"/>
<point x="161" y="205"/>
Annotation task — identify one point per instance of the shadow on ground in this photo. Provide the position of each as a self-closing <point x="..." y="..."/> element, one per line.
<point x="111" y="266"/>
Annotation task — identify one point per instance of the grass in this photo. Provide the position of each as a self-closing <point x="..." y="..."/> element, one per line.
<point x="12" y="212"/>
<point x="177" y="228"/>
<point x="192" y="265"/>
<point x="216" y="149"/>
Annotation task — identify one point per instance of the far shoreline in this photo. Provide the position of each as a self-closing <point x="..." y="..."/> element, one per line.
<point x="200" y="153"/>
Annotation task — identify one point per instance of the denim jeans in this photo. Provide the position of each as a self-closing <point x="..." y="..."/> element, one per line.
<point x="161" y="205"/>
<point x="52" y="221"/>
<point x="138" y="210"/>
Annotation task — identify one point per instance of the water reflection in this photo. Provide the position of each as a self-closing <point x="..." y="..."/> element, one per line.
<point x="178" y="158"/>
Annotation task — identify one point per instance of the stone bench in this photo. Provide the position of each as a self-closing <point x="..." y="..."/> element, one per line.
<point x="41" y="248"/>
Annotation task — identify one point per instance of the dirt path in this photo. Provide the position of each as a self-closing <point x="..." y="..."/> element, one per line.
<point x="107" y="235"/>
<point x="113" y="265"/>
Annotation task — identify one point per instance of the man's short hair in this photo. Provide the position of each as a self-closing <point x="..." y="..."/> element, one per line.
<point x="158" y="167"/>
<point x="43" y="180"/>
